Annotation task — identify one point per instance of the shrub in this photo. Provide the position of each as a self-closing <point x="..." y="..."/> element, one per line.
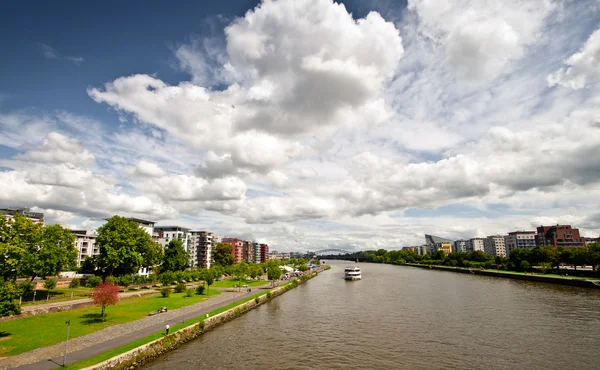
<point x="74" y="284"/>
<point x="257" y="300"/>
<point x="200" y="289"/>
<point x="269" y="295"/>
<point x="126" y="280"/>
<point x="93" y="282"/>
<point x="112" y="280"/>
<point x="524" y="265"/>
<point x="189" y="292"/>
<point x="166" y="278"/>
<point x="165" y="292"/>
<point x="49" y="284"/>
<point x="180" y="288"/>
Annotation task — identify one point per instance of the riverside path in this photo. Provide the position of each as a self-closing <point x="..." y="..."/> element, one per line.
<point x="96" y="343"/>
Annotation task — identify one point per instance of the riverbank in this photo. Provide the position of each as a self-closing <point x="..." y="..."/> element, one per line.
<point x="152" y="347"/>
<point x="571" y="281"/>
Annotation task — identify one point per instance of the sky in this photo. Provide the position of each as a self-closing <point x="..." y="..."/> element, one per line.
<point x="305" y="124"/>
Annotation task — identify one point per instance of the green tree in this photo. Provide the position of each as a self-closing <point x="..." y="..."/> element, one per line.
<point x="125" y="247"/>
<point x="223" y="254"/>
<point x="208" y="275"/>
<point x="8" y="296"/>
<point x="273" y="270"/>
<point x="89" y="265"/>
<point x="55" y="253"/>
<point x="49" y="284"/>
<point x="594" y="255"/>
<point x="73" y="284"/>
<point x="241" y="271"/>
<point x="524" y="265"/>
<point x="176" y="258"/>
<point x="10" y="259"/>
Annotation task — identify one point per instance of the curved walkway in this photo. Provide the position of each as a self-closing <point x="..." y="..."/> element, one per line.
<point x="90" y="345"/>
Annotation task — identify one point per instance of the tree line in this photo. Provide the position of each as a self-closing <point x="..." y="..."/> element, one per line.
<point x="522" y="259"/>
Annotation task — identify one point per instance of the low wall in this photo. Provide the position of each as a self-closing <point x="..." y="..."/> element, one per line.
<point x="147" y="352"/>
<point x="517" y="276"/>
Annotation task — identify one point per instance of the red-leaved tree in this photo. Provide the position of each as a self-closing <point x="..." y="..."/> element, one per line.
<point x="105" y="295"/>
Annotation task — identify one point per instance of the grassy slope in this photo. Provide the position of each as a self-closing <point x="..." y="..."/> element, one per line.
<point x="29" y="333"/>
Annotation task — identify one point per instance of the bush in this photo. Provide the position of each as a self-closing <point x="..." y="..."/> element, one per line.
<point x="112" y="280"/>
<point x="180" y="288"/>
<point x="165" y="292"/>
<point x="74" y="284"/>
<point x="257" y="300"/>
<point x="126" y="280"/>
<point x="166" y="278"/>
<point x="93" y="282"/>
<point x="524" y="265"/>
<point x="269" y="295"/>
<point x="189" y="292"/>
<point x="200" y="289"/>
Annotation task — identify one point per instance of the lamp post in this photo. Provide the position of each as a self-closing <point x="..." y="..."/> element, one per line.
<point x="66" y="342"/>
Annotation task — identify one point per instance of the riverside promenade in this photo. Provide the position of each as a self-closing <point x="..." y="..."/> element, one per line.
<point x="96" y="343"/>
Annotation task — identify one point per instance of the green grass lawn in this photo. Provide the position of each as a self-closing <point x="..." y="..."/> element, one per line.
<point x="229" y="283"/>
<point x="56" y="295"/>
<point x="28" y="333"/>
<point x="127" y="347"/>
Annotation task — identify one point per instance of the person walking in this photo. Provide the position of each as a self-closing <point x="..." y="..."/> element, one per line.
<point x="167" y="329"/>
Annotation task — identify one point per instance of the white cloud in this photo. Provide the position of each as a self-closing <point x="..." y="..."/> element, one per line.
<point x="583" y="66"/>
<point x="148" y="169"/>
<point x="59" y="148"/>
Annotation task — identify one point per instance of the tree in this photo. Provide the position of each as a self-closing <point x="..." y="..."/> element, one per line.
<point x="125" y="247"/>
<point x="74" y="284"/>
<point x="49" y="284"/>
<point x="273" y="270"/>
<point x="208" y="275"/>
<point x="594" y="255"/>
<point x="8" y="295"/>
<point x="105" y="295"/>
<point x="176" y="258"/>
<point x="55" y="253"/>
<point x="10" y="257"/>
<point x="223" y="254"/>
<point x="89" y="265"/>
<point x="241" y="271"/>
<point x="524" y="265"/>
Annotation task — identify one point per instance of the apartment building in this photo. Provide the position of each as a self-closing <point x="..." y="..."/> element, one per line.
<point x="237" y="248"/>
<point x="35" y="217"/>
<point x="85" y="243"/>
<point x="495" y="246"/>
<point x="445" y="247"/>
<point x="476" y="244"/>
<point x="249" y="252"/>
<point x="421" y="250"/>
<point x="264" y="253"/>
<point x="461" y="246"/>
<point x="201" y="248"/>
<point x="519" y="239"/>
<point x="559" y="236"/>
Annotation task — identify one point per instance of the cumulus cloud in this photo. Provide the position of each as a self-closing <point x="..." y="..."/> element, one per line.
<point x="59" y="148"/>
<point x="148" y="169"/>
<point x="583" y="66"/>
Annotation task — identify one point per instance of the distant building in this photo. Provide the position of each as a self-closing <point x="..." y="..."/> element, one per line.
<point x="249" y="252"/>
<point x="519" y="239"/>
<point x="35" y="217"/>
<point x="202" y="244"/>
<point x="461" y="246"/>
<point x="237" y="248"/>
<point x="445" y="247"/>
<point x="559" y="236"/>
<point x="168" y="233"/>
<point x="264" y="253"/>
<point x="591" y="240"/>
<point x="85" y="243"/>
<point x="421" y="250"/>
<point x="476" y="244"/>
<point x="432" y="240"/>
<point x="495" y="246"/>
<point x="411" y="249"/>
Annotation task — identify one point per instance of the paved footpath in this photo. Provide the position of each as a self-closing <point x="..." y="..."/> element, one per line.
<point x="93" y="344"/>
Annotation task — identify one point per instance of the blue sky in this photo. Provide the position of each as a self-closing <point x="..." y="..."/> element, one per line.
<point x="303" y="123"/>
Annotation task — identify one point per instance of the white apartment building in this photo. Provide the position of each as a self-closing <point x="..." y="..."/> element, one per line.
<point x="495" y="246"/>
<point x="85" y="243"/>
<point x="519" y="239"/>
<point x="461" y="246"/>
<point x="167" y="233"/>
<point x="476" y="244"/>
<point x="201" y="248"/>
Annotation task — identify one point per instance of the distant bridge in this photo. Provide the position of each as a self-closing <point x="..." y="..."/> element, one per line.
<point x="332" y="254"/>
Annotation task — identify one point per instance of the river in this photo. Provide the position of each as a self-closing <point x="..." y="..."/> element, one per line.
<point x="401" y="317"/>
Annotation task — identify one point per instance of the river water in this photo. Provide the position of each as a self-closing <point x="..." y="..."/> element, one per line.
<point x="401" y="317"/>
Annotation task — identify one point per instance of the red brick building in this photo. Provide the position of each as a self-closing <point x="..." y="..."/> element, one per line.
<point x="237" y="248"/>
<point x="559" y="235"/>
<point x="264" y="253"/>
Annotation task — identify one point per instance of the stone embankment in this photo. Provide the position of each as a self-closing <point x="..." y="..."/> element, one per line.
<point x="571" y="281"/>
<point x="154" y="349"/>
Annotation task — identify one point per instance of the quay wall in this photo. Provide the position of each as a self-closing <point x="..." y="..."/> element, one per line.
<point x="517" y="276"/>
<point x="149" y="351"/>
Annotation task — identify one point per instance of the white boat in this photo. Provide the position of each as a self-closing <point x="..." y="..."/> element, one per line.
<point x="352" y="273"/>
